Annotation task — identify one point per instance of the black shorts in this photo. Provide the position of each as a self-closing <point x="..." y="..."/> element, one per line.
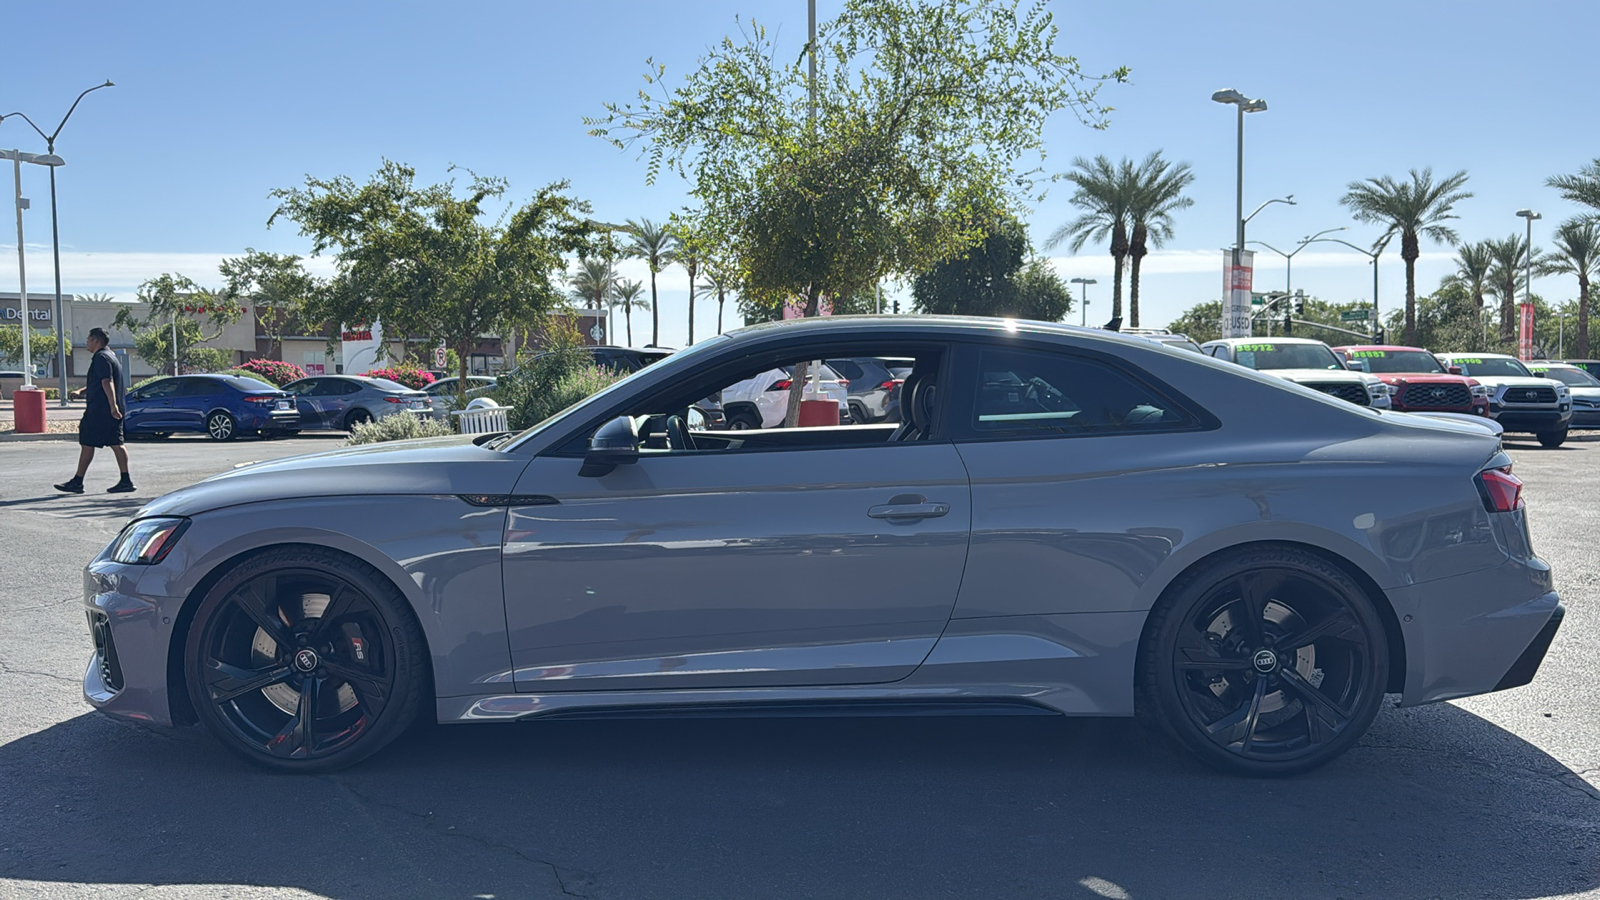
<point x="100" y="429"/>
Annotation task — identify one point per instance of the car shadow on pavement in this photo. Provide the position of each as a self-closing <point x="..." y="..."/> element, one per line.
<point x="1435" y="802"/>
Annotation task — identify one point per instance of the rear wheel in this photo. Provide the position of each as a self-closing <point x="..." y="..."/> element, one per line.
<point x="357" y="416"/>
<point x="744" y="420"/>
<point x="1265" y="662"/>
<point x="304" y="660"/>
<point x="221" y="427"/>
<point x="1552" y="439"/>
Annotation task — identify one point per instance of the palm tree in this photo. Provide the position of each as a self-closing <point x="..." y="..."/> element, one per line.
<point x="691" y="264"/>
<point x="656" y="245"/>
<point x="716" y="282"/>
<point x="1157" y="194"/>
<point x="1578" y="253"/>
<point x="592" y="283"/>
<point x="1414" y="209"/>
<point x="1105" y="194"/>
<point x="1510" y="258"/>
<point x="1583" y="187"/>
<point x="625" y="294"/>
<point x="1474" y="263"/>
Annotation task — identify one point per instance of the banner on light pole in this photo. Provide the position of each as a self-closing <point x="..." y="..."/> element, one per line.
<point x="1525" y="332"/>
<point x="1236" y="305"/>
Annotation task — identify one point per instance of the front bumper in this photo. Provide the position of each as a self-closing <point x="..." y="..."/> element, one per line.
<point x="1532" y="421"/>
<point x="127" y="675"/>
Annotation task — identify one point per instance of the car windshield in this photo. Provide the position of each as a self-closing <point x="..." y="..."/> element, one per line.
<point x="248" y="384"/>
<point x="1490" y="367"/>
<point x="1286" y="356"/>
<point x="671" y="364"/>
<point x="1572" y="377"/>
<point x="384" y="384"/>
<point x="1387" y="361"/>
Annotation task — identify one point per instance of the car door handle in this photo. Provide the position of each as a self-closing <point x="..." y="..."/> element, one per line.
<point x="919" y="509"/>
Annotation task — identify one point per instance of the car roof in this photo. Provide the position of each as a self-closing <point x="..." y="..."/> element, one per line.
<point x="1550" y="364"/>
<point x="1473" y="355"/>
<point x="1266" y="340"/>
<point x="886" y="326"/>
<point x="1380" y="347"/>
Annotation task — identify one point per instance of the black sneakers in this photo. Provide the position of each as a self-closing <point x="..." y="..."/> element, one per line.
<point x="121" y="487"/>
<point x="73" y="485"/>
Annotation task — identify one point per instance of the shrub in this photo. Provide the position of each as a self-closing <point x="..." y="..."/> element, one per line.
<point x="272" y="371"/>
<point x="411" y="377"/>
<point x="52" y="393"/>
<point x="402" y="427"/>
<point x="542" y="387"/>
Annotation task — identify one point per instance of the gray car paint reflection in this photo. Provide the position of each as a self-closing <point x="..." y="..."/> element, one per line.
<point x="762" y="577"/>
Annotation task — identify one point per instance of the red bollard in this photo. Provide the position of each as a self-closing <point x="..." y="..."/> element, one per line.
<point x="27" y="406"/>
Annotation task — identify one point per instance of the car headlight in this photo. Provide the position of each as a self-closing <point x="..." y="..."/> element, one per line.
<point x="145" y="542"/>
<point x="1480" y="390"/>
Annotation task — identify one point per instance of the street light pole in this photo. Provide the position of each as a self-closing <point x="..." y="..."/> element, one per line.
<point x="55" y="233"/>
<point x="22" y="275"/>
<point x="1527" y="285"/>
<point x="1085" y="308"/>
<point x="1244" y="105"/>
<point x="1373" y="254"/>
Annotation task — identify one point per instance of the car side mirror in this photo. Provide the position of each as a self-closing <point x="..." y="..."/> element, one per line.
<point x="616" y="443"/>
<point x="1352" y="365"/>
<point x="696" y="420"/>
<point x="1539" y="373"/>
<point x="1455" y="370"/>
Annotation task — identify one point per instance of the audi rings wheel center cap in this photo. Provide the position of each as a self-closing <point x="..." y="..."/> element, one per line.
<point x="1265" y="661"/>
<point x="306" y="660"/>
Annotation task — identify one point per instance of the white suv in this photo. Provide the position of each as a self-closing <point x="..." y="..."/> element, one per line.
<point x="1303" y="361"/>
<point x="762" y="401"/>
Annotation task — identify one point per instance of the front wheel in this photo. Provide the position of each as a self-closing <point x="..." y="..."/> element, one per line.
<point x="305" y="660"/>
<point x="220" y="426"/>
<point x="1550" y="440"/>
<point x="1264" y="662"/>
<point x="744" y="420"/>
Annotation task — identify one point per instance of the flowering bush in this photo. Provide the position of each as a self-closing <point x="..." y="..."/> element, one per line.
<point x="416" y="379"/>
<point x="273" y="371"/>
<point x="403" y="427"/>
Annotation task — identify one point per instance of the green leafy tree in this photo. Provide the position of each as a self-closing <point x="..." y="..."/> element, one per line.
<point x="1582" y="187"/>
<point x="920" y="110"/>
<point x="1413" y="209"/>
<point x="1041" y="294"/>
<point x="1202" y="322"/>
<point x="430" y="263"/>
<point x="1157" y="192"/>
<point x="994" y="278"/>
<point x="1577" y="252"/>
<point x="198" y="314"/>
<point x="276" y="284"/>
<point x="1448" y="321"/>
<point x="42" y="344"/>
<point x="1105" y="193"/>
<point x="657" y="246"/>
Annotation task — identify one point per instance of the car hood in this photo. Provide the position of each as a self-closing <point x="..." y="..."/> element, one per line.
<point x="1324" y="376"/>
<point x="1512" y="381"/>
<point x="1421" y="378"/>
<point x="450" y="465"/>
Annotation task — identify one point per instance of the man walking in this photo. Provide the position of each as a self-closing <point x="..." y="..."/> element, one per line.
<point x="102" y="416"/>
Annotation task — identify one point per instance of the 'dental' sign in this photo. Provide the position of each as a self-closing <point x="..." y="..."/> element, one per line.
<point x="10" y="314"/>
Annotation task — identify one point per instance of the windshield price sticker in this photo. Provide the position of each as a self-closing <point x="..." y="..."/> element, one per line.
<point x="1369" y="354"/>
<point x="1467" y="361"/>
<point x="1256" y="348"/>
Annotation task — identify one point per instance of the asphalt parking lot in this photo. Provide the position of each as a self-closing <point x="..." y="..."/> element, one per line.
<point x="1495" y="796"/>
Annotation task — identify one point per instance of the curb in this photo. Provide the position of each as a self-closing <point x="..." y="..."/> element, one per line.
<point x="12" y="436"/>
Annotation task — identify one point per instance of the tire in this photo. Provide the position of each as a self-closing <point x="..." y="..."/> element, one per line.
<point x="357" y="416"/>
<point x="1550" y="440"/>
<point x="364" y="667"/>
<point x="859" y="414"/>
<point x="1224" y="691"/>
<point x="221" y="427"/>
<point x="744" y="420"/>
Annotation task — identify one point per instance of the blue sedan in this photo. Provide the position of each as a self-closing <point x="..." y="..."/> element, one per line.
<point x="221" y="406"/>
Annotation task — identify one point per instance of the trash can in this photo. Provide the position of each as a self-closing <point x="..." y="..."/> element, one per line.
<point x="819" y="412"/>
<point x="27" y="405"/>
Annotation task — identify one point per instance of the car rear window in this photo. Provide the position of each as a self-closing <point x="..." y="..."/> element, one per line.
<point x="1021" y="391"/>
<point x="247" y="384"/>
<point x="384" y="384"/>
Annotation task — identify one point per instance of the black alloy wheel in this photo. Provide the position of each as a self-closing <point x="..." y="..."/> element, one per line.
<point x="305" y="660"/>
<point x="357" y="416"/>
<point x="220" y="426"/>
<point x="1269" y="662"/>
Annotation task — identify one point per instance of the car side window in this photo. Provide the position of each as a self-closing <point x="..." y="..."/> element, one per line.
<point x="1034" y="392"/>
<point x="155" y="390"/>
<point x="196" y="387"/>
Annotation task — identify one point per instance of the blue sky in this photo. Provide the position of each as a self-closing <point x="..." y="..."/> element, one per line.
<point x="217" y="104"/>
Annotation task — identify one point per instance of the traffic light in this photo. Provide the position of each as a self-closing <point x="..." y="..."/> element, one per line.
<point x="1378" y="336"/>
<point x="1288" y="323"/>
<point x="897" y="307"/>
<point x="1300" y="307"/>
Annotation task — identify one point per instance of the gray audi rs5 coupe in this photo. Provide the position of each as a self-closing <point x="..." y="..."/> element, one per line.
<point x="1065" y="521"/>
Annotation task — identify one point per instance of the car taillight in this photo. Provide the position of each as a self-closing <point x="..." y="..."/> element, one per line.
<point x="261" y="401"/>
<point x="395" y="400"/>
<point x="782" y="385"/>
<point x="1501" y="491"/>
<point x="888" y="385"/>
<point x="844" y="382"/>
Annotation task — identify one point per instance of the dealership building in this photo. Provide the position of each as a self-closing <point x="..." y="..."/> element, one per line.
<point x="259" y="333"/>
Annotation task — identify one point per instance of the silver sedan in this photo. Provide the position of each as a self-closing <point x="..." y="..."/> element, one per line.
<point x="341" y="402"/>
<point x="1067" y="521"/>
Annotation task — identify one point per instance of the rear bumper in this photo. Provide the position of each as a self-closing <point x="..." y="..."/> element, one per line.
<point x="1522" y="671"/>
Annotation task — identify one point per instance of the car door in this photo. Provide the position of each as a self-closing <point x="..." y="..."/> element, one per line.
<point x="307" y="403"/>
<point x="149" y="408"/>
<point x="191" y="401"/>
<point x="759" y="568"/>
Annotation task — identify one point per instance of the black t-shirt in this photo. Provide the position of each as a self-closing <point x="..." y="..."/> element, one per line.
<point x="103" y="366"/>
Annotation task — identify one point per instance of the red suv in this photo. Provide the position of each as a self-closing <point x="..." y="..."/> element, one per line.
<point x="1416" y="380"/>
